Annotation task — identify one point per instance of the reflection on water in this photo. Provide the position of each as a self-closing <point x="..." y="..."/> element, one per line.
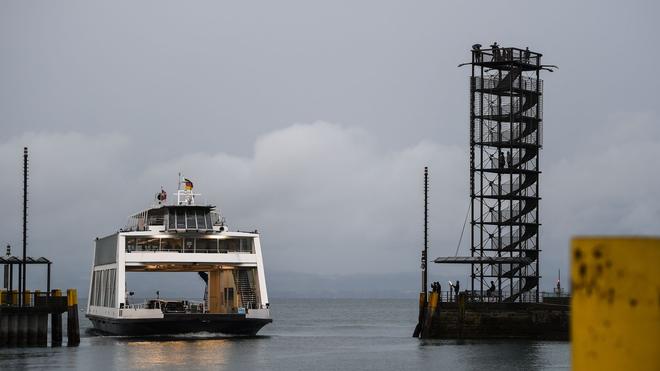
<point x="305" y="335"/>
<point x="175" y="353"/>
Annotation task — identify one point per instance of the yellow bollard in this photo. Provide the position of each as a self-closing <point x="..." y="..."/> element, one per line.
<point x="615" y="308"/>
<point x="72" y="297"/>
<point x="73" y="327"/>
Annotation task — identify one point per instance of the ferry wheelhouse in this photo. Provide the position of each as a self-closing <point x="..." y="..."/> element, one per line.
<point x="179" y="237"/>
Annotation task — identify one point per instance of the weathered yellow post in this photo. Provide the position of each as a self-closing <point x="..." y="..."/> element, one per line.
<point x="431" y="314"/>
<point x="73" y="329"/>
<point x="615" y="315"/>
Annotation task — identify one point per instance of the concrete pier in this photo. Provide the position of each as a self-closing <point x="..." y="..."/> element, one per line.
<point x="465" y="320"/>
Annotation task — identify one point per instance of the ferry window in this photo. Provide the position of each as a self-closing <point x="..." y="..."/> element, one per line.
<point x="201" y="222"/>
<point x="246" y="245"/>
<point x="130" y="244"/>
<point x="206" y="245"/>
<point x="92" y="300"/>
<point x="147" y="244"/>
<point x="180" y="219"/>
<point x="233" y="245"/>
<point x="171" y="244"/>
<point x="190" y="220"/>
<point x="209" y="224"/>
<point x="189" y="244"/>
<point x="171" y="223"/>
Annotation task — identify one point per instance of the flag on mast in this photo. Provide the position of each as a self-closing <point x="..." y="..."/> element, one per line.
<point x="188" y="184"/>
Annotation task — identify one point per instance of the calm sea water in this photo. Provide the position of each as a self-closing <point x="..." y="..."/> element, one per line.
<point x="332" y="334"/>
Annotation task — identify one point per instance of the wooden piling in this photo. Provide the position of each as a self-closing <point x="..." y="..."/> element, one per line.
<point x="42" y="329"/>
<point x="22" y="329"/>
<point x="12" y="330"/>
<point x="73" y="329"/>
<point x="4" y="329"/>
<point x="32" y="323"/>
<point x="56" y="323"/>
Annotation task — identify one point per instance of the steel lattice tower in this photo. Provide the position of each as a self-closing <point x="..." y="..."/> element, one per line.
<point x="505" y="139"/>
<point x="506" y="116"/>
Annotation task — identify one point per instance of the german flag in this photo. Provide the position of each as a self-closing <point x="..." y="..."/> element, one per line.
<point x="188" y="184"/>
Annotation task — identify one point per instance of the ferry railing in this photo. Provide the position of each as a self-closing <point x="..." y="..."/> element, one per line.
<point x="188" y="245"/>
<point x="510" y="55"/>
<point x="199" y="306"/>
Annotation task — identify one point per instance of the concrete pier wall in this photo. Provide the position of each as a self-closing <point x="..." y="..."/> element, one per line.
<point x="495" y="320"/>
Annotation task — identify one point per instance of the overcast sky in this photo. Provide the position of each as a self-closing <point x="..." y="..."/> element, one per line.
<point x="312" y="122"/>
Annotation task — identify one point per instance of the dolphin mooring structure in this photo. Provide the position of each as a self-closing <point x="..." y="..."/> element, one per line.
<point x="24" y="313"/>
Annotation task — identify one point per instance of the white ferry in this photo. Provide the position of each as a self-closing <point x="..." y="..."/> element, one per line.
<point x="179" y="237"/>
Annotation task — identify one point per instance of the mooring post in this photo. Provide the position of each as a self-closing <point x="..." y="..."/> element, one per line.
<point x="56" y="322"/>
<point x="12" y="330"/>
<point x="431" y="313"/>
<point x="4" y="329"/>
<point x="33" y="323"/>
<point x="73" y="330"/>
<point x="22" y="328"/>
<point x="42" y="329"/>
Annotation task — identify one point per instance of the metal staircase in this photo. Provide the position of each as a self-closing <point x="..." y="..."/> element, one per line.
<point x="245" y="288"/>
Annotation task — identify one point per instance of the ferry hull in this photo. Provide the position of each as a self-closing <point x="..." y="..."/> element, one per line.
<point x="231" y="324"/>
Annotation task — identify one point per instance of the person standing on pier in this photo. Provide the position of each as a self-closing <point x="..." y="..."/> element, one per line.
<point x="491" y="290"/>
